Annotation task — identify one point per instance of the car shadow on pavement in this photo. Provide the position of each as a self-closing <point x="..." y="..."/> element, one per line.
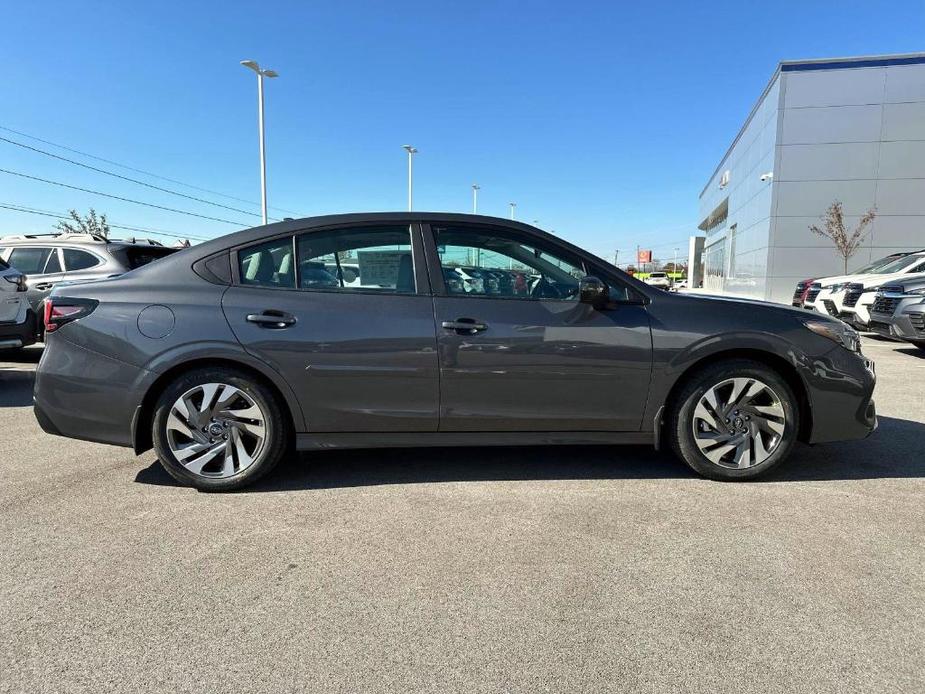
<point x="15" y="387"/>
<point x="893" y="451"/>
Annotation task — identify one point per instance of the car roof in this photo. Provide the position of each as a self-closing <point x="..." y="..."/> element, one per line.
<point x="68" y="239"/>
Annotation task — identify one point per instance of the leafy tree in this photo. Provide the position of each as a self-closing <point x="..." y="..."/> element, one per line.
<point x="88" y="224"/>
<point x="833" y="228"/>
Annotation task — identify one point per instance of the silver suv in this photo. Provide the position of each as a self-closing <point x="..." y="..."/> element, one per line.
<point x="47" y="259"/>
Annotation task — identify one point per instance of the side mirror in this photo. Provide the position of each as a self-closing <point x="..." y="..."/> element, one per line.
<point x="593" y="291"/>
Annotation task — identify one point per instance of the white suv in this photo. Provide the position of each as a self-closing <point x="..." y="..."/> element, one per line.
<point x="17" y="319"/>
<point x="827" y="294"/>
<point x="851" y="301"/>
<point x="658" y="279"/>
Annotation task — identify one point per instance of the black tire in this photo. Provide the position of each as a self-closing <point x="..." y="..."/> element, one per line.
<point x="680" y="421"/>
<point x="276" y="428"/>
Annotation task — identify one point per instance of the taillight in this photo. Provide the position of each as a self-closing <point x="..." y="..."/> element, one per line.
<point x="807" y="285"/>
<point x="60" y="310"/>
<point x="19" y="281"/>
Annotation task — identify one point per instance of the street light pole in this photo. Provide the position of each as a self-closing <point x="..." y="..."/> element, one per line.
<point x="513" y="205"/>
<point x="252" y="65"/>
<point x="475" y="197"/>
<point x="411" y="152"/>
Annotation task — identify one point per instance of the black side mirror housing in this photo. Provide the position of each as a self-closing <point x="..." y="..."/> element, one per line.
<point x="593" y="291"/>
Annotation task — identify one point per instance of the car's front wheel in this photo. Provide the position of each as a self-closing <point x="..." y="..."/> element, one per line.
<point x="734" y="420"/>
<point x="218" y="429"/>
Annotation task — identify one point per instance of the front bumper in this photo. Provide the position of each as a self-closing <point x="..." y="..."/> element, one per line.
<point x="85" y="395"/>
<point x="840" y="386"/>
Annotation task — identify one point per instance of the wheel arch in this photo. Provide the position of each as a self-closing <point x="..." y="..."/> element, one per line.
<point x="773" y="361"/>
<point x="144" y="414"/>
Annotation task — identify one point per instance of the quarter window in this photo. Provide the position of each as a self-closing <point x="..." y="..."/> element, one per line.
<point x="79" y="260"/>
<point x="30" y="261"/>
<point x="503" y="264"/>
<point x="360" y="259"/>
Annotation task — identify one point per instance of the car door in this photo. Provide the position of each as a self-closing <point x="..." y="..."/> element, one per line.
<point x="359" y="348"/>
<point x="42" y="267"/>
<point x="518" y="351"/>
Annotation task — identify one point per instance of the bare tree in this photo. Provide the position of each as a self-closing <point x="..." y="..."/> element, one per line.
<point x="88" y="224"/>
<point x="833" y="228"/>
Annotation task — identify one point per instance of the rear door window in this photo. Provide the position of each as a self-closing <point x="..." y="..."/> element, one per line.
<point x="359" y="259"/>
<point x="269" y="264"/>
<point x="30" y="261"/>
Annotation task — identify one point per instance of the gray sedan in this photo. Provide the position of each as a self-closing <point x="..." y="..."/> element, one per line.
<point x="226" y="355"/>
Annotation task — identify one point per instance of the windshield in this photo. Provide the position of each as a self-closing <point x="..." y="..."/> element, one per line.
<point x="877" y="264"/>
<point x="899" y="265"/>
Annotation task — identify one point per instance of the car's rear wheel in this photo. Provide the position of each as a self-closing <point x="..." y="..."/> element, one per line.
<point x="734" y="420"/>
<point x="218" y="429"/>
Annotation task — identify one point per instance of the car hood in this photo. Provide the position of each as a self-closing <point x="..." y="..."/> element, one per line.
<point x="757" y="304"/>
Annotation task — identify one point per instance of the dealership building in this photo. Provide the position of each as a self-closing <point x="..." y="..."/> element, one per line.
<point x="849" y="130"/>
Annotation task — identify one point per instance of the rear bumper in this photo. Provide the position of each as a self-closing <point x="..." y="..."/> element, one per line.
<point x="84" y="395"/>
<point x="13" y="335"/>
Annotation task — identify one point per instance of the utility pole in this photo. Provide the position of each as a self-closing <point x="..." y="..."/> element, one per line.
<point x="411" y="152"/>
<point x="616" y="254"/>
<point x="252" y="65"/>
<point x="513" y="205"/>
<point x="475" y="197"/>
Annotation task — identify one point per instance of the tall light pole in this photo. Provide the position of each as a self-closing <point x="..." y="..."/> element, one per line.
<point x="411" y="152"/>
<point x="513" y="205"/>
<point x="252" y="65"/>
<point x="475" y="197"/>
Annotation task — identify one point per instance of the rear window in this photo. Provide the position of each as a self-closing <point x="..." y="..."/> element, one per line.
<point x="142" y="255"/>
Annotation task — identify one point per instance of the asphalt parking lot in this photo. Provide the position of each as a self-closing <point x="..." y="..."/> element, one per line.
<point x="539" y="569"/>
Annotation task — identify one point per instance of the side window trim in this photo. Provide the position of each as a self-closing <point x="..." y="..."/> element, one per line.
<point x="423" y="286"/>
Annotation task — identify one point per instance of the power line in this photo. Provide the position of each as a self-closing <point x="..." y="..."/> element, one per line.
<point x="126" y="178"/>
<point x="116" y="197"/>
<point x="141" y="171"/>
<point x="146" y="230"/>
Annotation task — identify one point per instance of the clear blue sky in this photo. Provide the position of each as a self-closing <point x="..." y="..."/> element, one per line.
<point x="602" y="120"/>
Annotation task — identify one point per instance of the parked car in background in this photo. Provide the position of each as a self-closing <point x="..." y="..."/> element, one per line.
<point x="680" y="284"/>
<point x="659" y="279"/>
<point x="18" y="326"/>
<point x="48" y="259"/>
<point x="851" y="303"/>
<point x="823" y="288"/>
<point x="800" y="293"/>
<point x="222" y="365"/>
<point x="898" y="310"/>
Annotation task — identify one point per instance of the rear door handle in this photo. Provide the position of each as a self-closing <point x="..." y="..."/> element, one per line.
<point x="464" y="326"/>
<point x="272" y="319"/>
<point x="42" y="286"/>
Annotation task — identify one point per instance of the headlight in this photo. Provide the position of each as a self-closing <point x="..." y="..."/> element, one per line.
<point x="870" y="289"/>
<point x="917" y="292"/>
<point x="835" y="287"/>
<point x="841" y="333"/>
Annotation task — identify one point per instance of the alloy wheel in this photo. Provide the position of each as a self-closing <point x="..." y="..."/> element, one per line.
<point x="216" y="430"/>
<point x="739" y="423"/>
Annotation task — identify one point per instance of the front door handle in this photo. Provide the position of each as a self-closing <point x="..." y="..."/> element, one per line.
<point x="43" y="286"/>
<point x="272" y="319"/>
<point x="464" y="326"/>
